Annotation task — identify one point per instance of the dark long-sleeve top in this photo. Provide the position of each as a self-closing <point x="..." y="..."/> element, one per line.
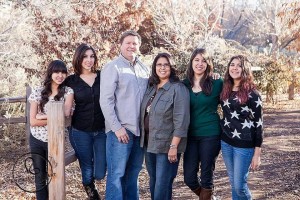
<point x="87" y="115"/>
<point x="242" y="125"/>
<point x="205" y="120"/>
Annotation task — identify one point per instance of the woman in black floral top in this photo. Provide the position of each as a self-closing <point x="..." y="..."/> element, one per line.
<point x="242" y="126"/>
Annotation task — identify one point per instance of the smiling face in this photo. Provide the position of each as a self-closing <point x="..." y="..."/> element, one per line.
<point x="130" y="47"/>
<point x="58" y="77"/>
<point x="163" y="69"/>
<point x="235" y="69"/>
<point x="88" y="60"/>
<point x="199" y="65"/>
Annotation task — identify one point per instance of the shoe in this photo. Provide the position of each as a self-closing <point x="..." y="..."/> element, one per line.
<point x="206" y="194"/>
<point x="92" y="192"/>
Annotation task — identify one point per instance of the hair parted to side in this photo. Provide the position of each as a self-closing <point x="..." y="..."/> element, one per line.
<point x="55" y="66"/>
<point x="79" y="55"/>
<point x="246" y="84"/>
<point x="206" y="80"/>
<point x="128" y="33"/>
<point x="154" y="79"/>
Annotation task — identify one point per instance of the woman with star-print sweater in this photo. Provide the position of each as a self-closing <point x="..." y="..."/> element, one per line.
<point x="242" y="126"/>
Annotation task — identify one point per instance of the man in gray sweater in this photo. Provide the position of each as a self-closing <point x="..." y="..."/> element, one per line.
<point x="123" y="84"/>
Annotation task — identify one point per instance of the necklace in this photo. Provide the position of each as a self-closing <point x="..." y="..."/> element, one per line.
<point x="196" y="88"/>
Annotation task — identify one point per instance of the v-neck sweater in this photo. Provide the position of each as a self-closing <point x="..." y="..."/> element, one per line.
<point x="204" y="119"/>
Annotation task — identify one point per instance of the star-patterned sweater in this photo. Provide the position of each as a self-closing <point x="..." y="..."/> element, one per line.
<point x="242" y="125"/>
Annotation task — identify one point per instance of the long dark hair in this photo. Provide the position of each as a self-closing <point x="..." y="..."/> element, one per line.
<point x="154" y="79"/>
<point x="55" y="66"/>
<point x="78" y="58"/>
<point x="206" y="80"/>
<point x="246" y="84"/>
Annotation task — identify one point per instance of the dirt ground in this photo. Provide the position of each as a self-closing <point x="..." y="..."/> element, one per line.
<point x="278" y="177"/>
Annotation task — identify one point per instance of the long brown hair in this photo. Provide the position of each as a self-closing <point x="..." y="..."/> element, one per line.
<point x="206" y="80"/>
<point x="78" y="58"/>
<point x="53" y="67"/>
<point x="246" y="84"/>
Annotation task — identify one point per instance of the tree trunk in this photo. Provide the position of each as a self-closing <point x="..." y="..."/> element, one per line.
<point x="292" y="91"/>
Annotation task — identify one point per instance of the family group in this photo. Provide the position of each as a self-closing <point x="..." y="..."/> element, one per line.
<point x="127" y="114"/>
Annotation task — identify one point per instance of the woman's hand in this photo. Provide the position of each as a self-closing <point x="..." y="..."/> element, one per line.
<point x="255" y="163"/>
<point x="215" y="76"/>
<point x="172" y="155"/>
<point x="41" y="116"/>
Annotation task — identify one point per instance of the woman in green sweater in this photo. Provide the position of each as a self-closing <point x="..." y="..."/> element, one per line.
<point x="203" y="144"/>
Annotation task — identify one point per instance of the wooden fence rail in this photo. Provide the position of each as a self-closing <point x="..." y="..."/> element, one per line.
<point x="56" y="141"/>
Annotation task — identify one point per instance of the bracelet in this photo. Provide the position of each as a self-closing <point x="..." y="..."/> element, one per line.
<point x="173" y="146"/>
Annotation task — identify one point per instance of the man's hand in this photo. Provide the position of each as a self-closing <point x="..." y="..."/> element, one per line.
<point x="122" y="135"/>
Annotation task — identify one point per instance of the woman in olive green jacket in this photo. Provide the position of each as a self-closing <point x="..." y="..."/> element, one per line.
<point x="165" y="118"/>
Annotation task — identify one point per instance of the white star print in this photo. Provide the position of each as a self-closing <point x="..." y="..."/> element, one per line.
<point x="235" y="134"/>
<point x="226" y="122"/>
<point x="234" y="114"/>
<point x="226" y="103"/>
<point x="236" y="98"/>
<point x="252" y="113"/>
<point x="249" y="95"/>
<point x="245" y="108"/>
<point x="251" y="123"/>
<point x="258" y="102"/>
<point x="259" y="123"/>
<point x="246" y="124"/>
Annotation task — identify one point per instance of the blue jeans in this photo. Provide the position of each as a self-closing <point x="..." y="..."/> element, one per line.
<point x="39" y="154"/>
<point x="162" y="174"/>
<point x="124" y="163"/>
<point x="237" y="162"/>
<point x="204" y="151"/>
<point x="90" y="149"/>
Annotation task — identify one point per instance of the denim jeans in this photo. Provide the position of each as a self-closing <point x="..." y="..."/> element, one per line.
<point x="162" y="174"/>
<point x="204" y="151"/>
<point x="90" y="149"/>
<point x="237" y="162"/>
<point x="124" y="163"/>
<point x="39" y="154"/>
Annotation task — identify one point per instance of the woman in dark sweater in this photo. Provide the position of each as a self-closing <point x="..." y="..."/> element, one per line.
<point x="242" y="132"/>
<point x="203" y="144"/>
<point x="87" y="135"/>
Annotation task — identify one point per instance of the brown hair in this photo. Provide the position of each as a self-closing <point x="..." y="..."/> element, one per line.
<point x="78" y="58"/>
<point x="128" y="33"/>
<point x="154" y="79"/>
<point x="246" y="85"/>
<point x="55" y="66"/>
<point x="206" y="80"/>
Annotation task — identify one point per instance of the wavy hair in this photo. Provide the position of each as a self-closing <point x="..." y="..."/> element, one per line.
<point x="55" y="66"/>
<point x="154" y="79"/>
<point x="79" y="56"/>
<point x="206" y="80"/>
<point x="246" y="84"/>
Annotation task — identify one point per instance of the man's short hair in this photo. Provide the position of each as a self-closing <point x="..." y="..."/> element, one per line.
<point x="128" y="33"/>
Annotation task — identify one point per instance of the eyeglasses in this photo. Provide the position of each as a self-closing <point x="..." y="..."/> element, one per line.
<point x="166" y="65"/>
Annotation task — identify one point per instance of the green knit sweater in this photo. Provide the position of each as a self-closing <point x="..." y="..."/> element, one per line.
<point x="204" y="120"/>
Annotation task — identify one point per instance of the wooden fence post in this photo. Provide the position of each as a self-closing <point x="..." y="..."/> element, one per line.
<point x="56" y="149"/>
<point x="27" y="115"/>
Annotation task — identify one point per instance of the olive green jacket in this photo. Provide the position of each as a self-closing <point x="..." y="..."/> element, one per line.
<point x="169" y="116"/>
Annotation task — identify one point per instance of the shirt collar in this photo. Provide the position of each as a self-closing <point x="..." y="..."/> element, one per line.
<point x="127" y="61"/>
<point x="166" y="86"/>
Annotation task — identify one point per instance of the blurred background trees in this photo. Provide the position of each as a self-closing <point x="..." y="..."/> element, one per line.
<point x="33" y="32"/>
